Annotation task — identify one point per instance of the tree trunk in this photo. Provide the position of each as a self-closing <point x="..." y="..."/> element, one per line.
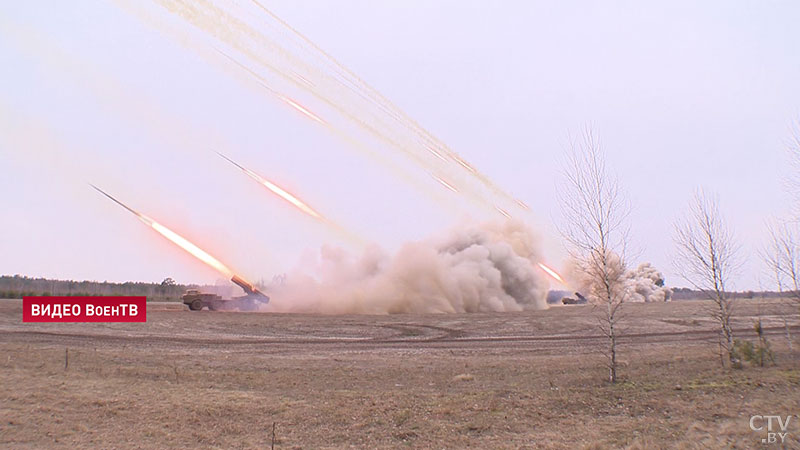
<point x="612" y="367"/>
<point x="729" y="340"/>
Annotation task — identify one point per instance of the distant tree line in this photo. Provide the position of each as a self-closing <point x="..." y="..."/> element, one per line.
<point x="18" y="286"/>
<point x="696" y="294"/>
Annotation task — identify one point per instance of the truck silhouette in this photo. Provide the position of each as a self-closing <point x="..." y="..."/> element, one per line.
<point x="197" y="300"/>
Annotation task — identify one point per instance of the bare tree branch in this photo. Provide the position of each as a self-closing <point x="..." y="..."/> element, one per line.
<point x="594" y="225"/>
<point x="781" y="257"/>
<point x="707" y="257"/>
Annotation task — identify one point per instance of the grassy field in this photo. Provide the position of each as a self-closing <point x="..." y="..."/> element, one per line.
<point x="501" y="380"/>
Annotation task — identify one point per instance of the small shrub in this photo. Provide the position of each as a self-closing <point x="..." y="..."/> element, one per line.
<point x="757" y="354"/>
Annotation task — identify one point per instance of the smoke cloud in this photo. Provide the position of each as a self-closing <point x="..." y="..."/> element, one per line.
<point x="488" y="267"/>
<point x="643" y="284"/>
<point x="646" y="284"/>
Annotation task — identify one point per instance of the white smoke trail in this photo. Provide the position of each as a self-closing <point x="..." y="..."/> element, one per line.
<point x="490" y="267"/>
<point x="281" y="58"/>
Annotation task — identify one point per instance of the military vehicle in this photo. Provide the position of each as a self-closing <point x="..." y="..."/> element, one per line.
<point x="197" y="300"/>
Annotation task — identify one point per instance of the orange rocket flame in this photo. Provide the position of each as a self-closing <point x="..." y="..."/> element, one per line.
<point x="176" y="239"/>
<point x="553" y="274"/>
<point x="301" y="108"/>
<point x="277" y="190"/>
<point x="444" y="183"/>
<point x="521" y="203"/>
<point x="190" y="248"/>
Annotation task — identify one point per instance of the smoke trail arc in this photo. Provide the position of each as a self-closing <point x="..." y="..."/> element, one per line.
<point x="175" y="238"/>
<point x="338" y="88"/>
<point x="277" y="190"/>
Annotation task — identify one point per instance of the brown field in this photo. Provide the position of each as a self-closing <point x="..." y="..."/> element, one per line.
<point x="500" y="380"/>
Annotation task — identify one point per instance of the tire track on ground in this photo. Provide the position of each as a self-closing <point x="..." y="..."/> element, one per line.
<point x="449" y="338"/>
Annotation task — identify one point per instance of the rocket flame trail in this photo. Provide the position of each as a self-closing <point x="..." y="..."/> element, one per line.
<point x="553" y="274"/>
<point x="177" y="239"/>
<point x="502" y="211"/>
<point x="299" y="204"/>
<point x="189" y="247"/>
<point x="302" y="63"/>
<point x="277" y="190"/>
<point x="280" y="96"/>
<point x="336" y="131"/>
<point x="435" y="153"/>
<point x="522" y="204"/>
<point x="444" y="183"/>
<point x="361" y="88"/>
<point x="305" y="80"/>
<point x="372" y="128"/>
<point x="301" y="108"/>
<point x="464" y="164"/>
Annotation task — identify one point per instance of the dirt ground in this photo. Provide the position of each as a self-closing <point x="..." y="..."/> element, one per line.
<point x="499" y="380"/>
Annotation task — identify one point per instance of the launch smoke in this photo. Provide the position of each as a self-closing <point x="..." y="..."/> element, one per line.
<point x="646" y="284"/>
<point x="642" y="284"/>
<point x="489" y="267"/>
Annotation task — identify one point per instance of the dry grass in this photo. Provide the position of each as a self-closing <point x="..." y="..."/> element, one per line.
<point x="220" y="381"/>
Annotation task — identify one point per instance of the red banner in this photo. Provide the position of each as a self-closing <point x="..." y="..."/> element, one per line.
<point x="84" y="309"/>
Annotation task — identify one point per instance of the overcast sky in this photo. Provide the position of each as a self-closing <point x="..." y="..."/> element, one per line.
<point x="683" y="94"/>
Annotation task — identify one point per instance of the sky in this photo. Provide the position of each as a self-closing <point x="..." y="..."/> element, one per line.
<point x="133" y="98"/>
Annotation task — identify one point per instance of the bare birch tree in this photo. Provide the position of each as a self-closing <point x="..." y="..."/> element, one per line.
<point x="781" y="256"/>
<point x="782" y="253"/>
<point x="595" y="214"/>
<point x="707" y="257"/>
